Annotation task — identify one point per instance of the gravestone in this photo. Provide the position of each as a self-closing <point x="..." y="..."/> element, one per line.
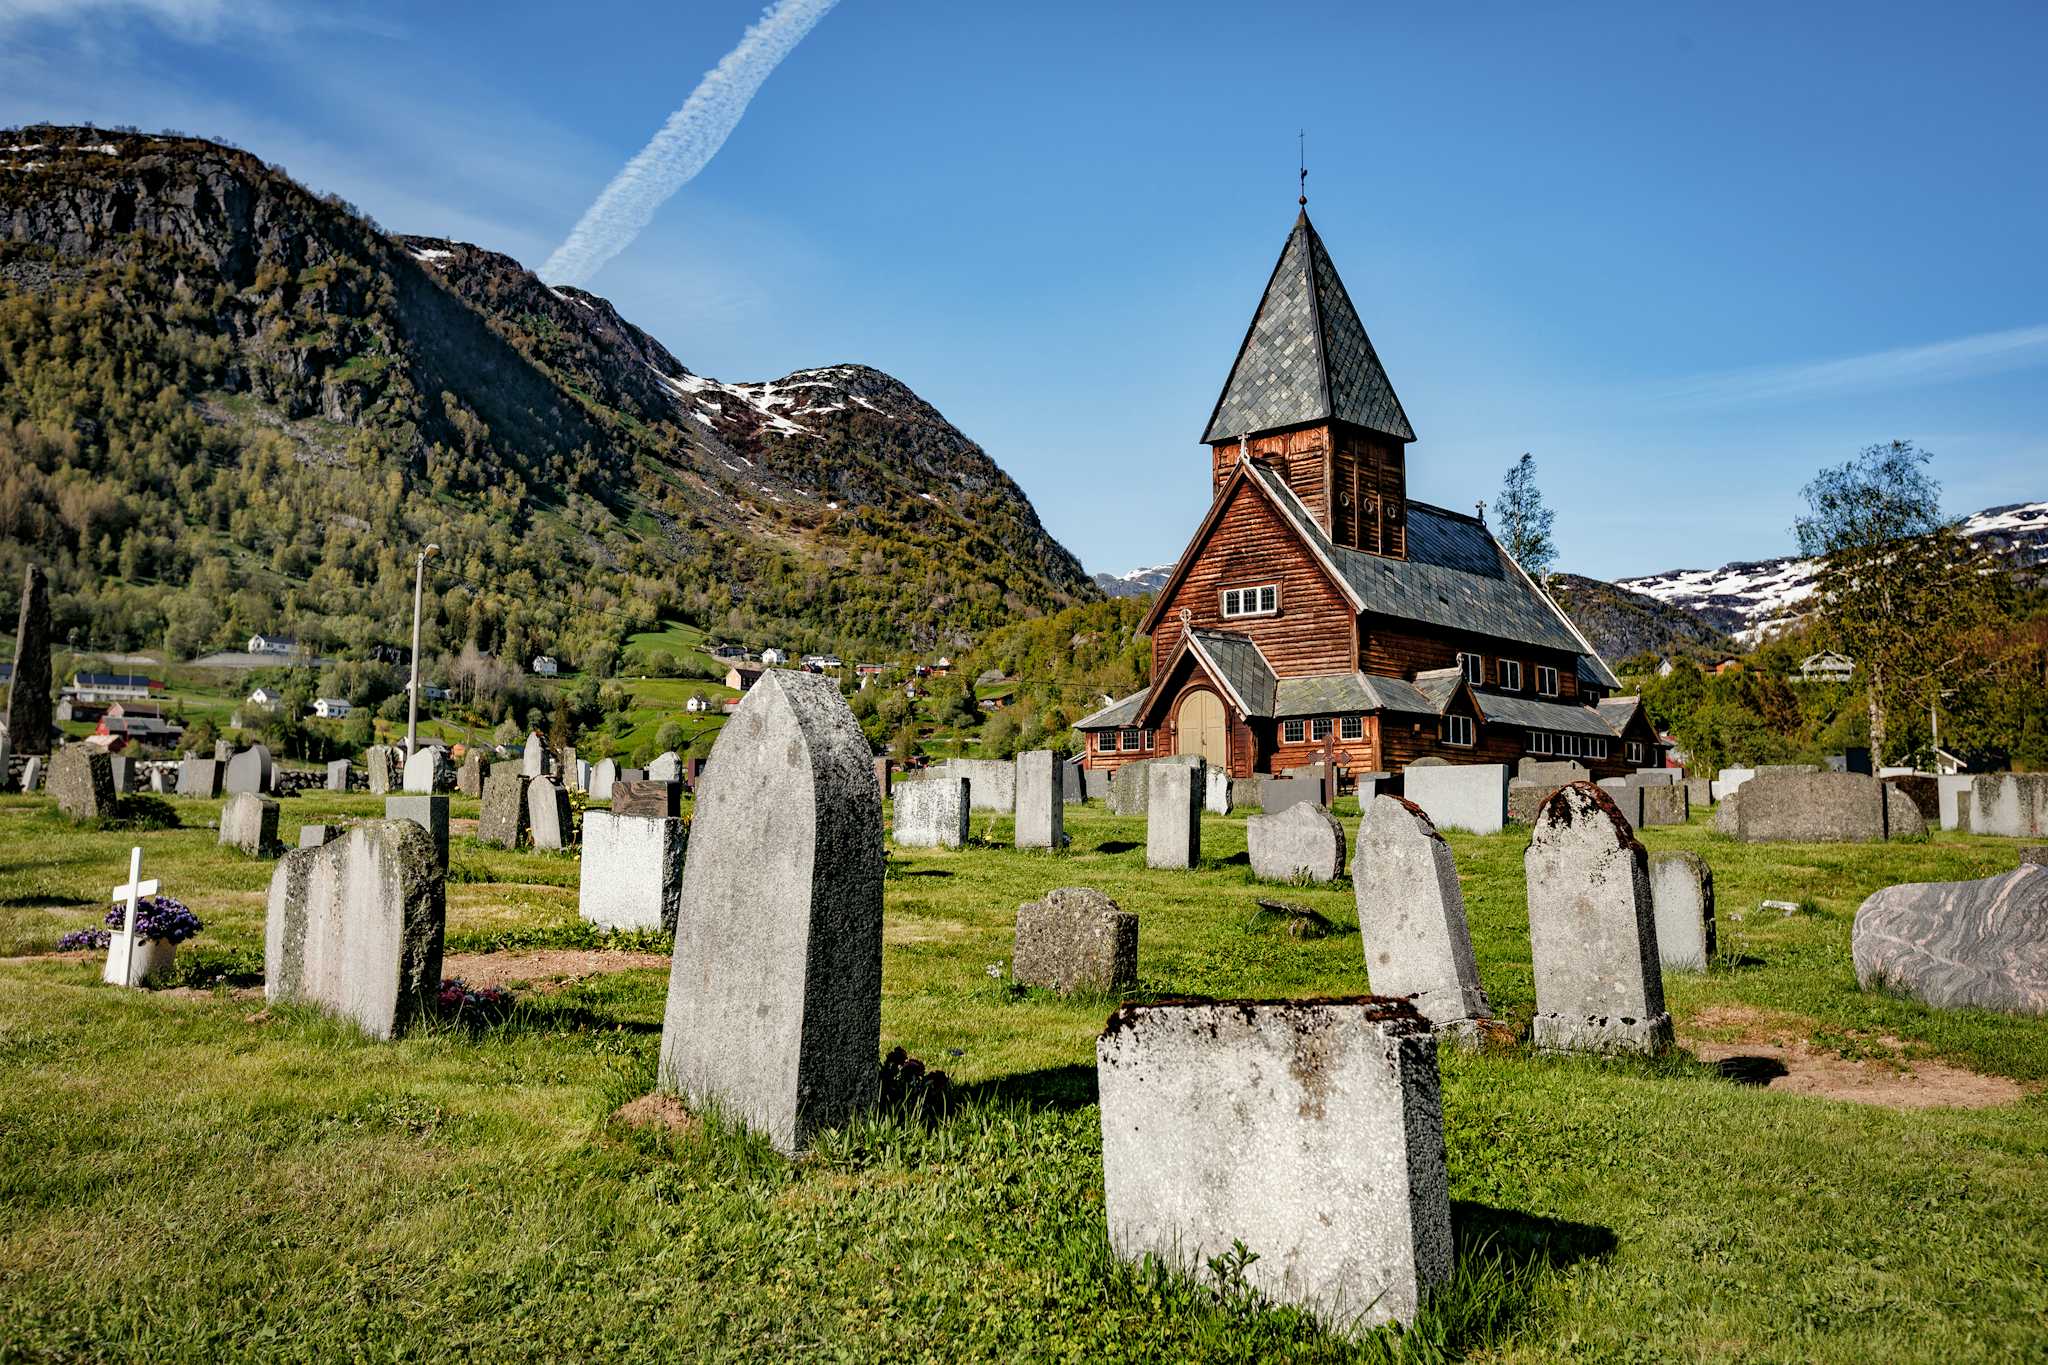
<point x="992" y="782"/>
<point x="1682" y="896"/>
<point x="199" y="777"/>
<point x="632" y="870"/>
<point x="666" y="767"/>
<point x="1627" y="799"/>
<point x="355" y="926"/>
<point x="318" y="836"/>
<point x="222" y="751"/>
<point x="932" y="813"/>
<point x="1553" y="772"/>
<point x="161" y="780"/>
<point x="1952" y="790"/>
<point x="1816" y="807"/>
<point x="632" y="775"/>
<point x="1666" y="805"/>
<point x="2012" y="805"/>
<point x="1173" y="815"/>
<point x="1654" y="777"/>
<point x="423" y="772"/>
<point x="1411" y="917"/>
<point x="1592" y="930"/>
<point x="82" y="780"/>
<point x="1041" y="802"/>
<point x="337" y="775"/>
<point x="1959" y="945"/>
<point x="6" y="756"/>
<point x="534" y="762"/>
<point x="1309" y="1131"/>
<point x="30" y="712"/>
<point x="1216" y="793"/>
<point x="1076" y="939"/>
<point x="573" y="770"/>
<point x="1302" y="843"/>
<point x="1128" y="790"/>
<point x="430" y="813"/>
<point x="32" y="774"/>
<point x="1790" y="769"/>
<point x="1699" y="793"/>
<point x="248" y="772"/>
<point x="548" y="816"/>
<point x="249" y="822"/>
<point x="1467" y="796"/>
<point x="1729" y="781"/>
<point x="469" y="778"/>
<point x="503" y="818"/>
<point x="1073" y="783"/>
<point x="582" y="775"/>
<point x="652" y="799"/>
<point x="775" y="993"/>
<point x="1922" y="789"/>
<point x="120" y="765"/>
<point x="1525" y="798"/>
<point x="882" y="772"/>
<point x="382" y="761"/>
<point x="1095" y="784"/>
<point x="1277" y="794"/>
<point x="602" y="777"/>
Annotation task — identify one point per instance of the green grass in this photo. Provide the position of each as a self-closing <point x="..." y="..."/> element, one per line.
<point x="184" y="1178"/>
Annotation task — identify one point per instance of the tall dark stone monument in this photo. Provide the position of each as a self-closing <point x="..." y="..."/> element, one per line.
<point x="29" y="712"/>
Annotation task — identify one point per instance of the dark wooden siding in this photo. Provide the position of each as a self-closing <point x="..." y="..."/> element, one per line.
<point x="1402" y="649"/>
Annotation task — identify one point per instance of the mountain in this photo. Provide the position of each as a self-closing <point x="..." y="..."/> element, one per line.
<point x="1746" y="598"/>
<point x="228" y="404"/>
<point x="1621" y="624"/>
<point x="1136" y="583"/>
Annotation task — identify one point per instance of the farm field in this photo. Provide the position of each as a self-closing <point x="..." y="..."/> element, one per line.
<point x="189" y="1175"/>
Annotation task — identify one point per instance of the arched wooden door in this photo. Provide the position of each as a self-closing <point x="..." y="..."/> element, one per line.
<point x="1201" y="729"/>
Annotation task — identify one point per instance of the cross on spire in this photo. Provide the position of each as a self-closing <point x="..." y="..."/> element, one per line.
<point x="1301" y="147"/>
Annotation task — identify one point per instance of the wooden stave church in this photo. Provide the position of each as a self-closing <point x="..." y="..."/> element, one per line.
<point x="1319" y="610"/>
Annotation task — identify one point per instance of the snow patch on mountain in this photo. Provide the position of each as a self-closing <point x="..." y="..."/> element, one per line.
<point x="1136" y="583"/>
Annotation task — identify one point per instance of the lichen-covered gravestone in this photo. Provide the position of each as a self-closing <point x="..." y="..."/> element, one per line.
<point x="1173" y="815"/>
<point x="1309" y="1131"/>
<point x="666" y="767"/>
<point x="249" y="822"/>
<point x="2012" y="805"/>
<point x="1411" y="917"/>
<point x="355" y="926"/>
<point x="82" y="780"/>
<point x="382" y="761"/>
<point x="1957" y="945"/>
<point x="932" y="813"/>
<point x="199" y="777"/>
<point x="1682" y="891"/>
<point x="548" y="815"/>
<point x="469" y="778"/>
<point x="502" y="820"/>
<point x="1303" y="842"/>
<point x="337" y="775"/>
<point x="631" y="876"/>
<point x="430" y="813"/>
<point x="1128" y="789"/>
<point x="1076" y="939"/>
<point x="775" y="993"/>
<point x="1592" y="930"/>
<point x="1669" y="804"/>
<point x="30" y="712"/>
<point x="1041" y="801"/>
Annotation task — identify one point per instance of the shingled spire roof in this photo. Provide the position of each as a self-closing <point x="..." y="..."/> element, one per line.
<point x="1306" y="357"/>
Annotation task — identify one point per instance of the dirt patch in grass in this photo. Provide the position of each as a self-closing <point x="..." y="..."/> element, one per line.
<point x="657" y="1111"/>
<point x="1784" y="1052"/>
<point x="922" y="930"/>
<point x="544" y="969"/>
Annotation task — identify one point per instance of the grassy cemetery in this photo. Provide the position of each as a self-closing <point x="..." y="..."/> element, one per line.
<point x="1814" y="1171"/>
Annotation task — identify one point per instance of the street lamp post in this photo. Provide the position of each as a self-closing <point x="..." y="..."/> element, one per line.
<point x="412" y="689"/>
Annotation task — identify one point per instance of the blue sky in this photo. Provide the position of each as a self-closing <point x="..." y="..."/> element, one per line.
<point x="1684" y="255"/>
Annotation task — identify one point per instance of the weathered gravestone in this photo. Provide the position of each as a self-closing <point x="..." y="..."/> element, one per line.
<point x="1556" y="773"/>
<point x="992" y="782"/>
<point x="602" y="778"/>
<point x="1655" y="777"/>
<point x="423" y="772"/>
<point x="1467" y="796"/>
<point x="120" y="766"/>
<point x="1526" y="797"/>
<point x="1217" y="793"/>
<point x="1076" y="939"/>
<point x="1954" y="945"/>
<point x="1309" y="1131"/>
<point x="632" y="870"/>
<point x="249" y="822"/>
<point x="161" y="780"/>
<point x="655" y="800"/>
<point x="337" y="775"/>
<point x="502" y="820"/>
<point x="355" y="926"/>
<point x="1729" y="781"/>
<point x="1699" y="793"/>
<point x="383" y="764"/>
<point x="30" y="712"/>
<point x="1277" y="794"/>
<point x="882" y="777"/>
<point x="1593" y="930"/>
<point x="534" y="762"/>
<point x="632" y="775"/>
<point x="430" y="813"/>
<point x="573" y="769"/>
<point x="1922" y="789"/>
<point x="223" y="750"/>
<point x="2012" y="805"/>
<point x="1682" y="897"/>
<point x="199" y="777"/>
<point x="1952" y="790"/>
<point x="775" y="994"/>
<point x="1626" y="796"/>
<point x="1666" y="805"/>
<point x="1817" y="807"/>
<point x="82" y="780"/>
<point x="1041" y="801"/>
<point x="1128" y="789"/>
<point x="469" y="778"/>
<point x="932" y="813"/>
<point x="667" y="767"/>
<point x="318" y="836"/>
<point x="1302" y="843"/>
<point x="248" y="772"/>
<point x="1411" y="917"/>
<point x="32" y="774"/>
<point x="1073" y="783"/>
<point x="1173" y="815"/>
<point x="548" y="815"/>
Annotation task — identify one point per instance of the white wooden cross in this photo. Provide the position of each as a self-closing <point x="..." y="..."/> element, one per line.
<point x="135" y="890"/>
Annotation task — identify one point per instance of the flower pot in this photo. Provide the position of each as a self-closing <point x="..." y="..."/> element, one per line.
<point x="152" y="958"/>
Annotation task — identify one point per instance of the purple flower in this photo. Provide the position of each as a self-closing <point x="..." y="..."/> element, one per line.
<point x="159" y="918"/>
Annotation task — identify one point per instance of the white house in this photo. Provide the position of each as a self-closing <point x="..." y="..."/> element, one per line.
<point x="272" y="644"/>
<point x="544" y="665"/>
<point x="696" y="705"/>
<point x="774" y="658"/>
<point x="1826" y="666"/>
<point x="331" y="708"/>
<point x="265" y="698"/>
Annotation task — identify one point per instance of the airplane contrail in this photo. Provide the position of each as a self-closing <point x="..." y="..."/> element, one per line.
<point x="685" y="144"/>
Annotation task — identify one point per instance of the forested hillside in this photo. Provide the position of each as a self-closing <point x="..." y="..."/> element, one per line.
<point x="228" y="405"/>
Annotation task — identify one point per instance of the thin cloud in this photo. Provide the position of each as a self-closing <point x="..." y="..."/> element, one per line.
<point x="685" y="144"/>
<point x="1961" y="358"/>
<point x="198" y="20"/>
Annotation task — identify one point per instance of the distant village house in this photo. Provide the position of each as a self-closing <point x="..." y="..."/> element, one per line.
<point x="272" y="644"/>
<point x="331" y="708"/>
<point x="112" y="687"/>
<point x="544" y="666"/>
<point x="1826" y="666"/>
<point x="740" y="677"/>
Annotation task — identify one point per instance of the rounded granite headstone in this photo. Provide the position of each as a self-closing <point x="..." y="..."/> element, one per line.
<point x="1952" y="945"/>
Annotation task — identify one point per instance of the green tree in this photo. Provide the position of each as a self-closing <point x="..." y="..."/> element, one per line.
<point x="1524" y="522"/>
